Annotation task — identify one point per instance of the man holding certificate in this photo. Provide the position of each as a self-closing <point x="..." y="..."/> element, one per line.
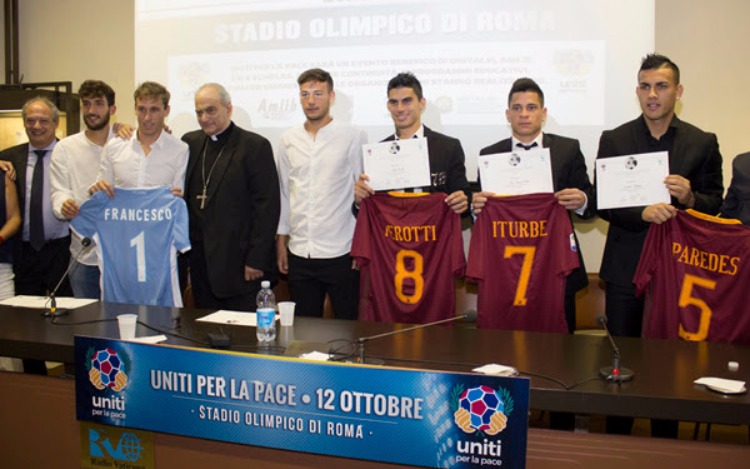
<point x="694" y="181"/>
<point x="409" y="246"/>
<point x="445" y="157"/>
<point x="565" y="170"/>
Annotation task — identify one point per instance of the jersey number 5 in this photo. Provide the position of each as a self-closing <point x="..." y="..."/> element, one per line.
<point x="686" y="299"/>
<point x="528" y="253"/>
<point x="414" y="274"/>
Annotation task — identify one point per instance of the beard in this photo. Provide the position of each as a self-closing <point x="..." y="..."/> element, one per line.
<point x="102" y="124"/>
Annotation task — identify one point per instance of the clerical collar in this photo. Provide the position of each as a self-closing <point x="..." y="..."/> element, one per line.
<point x="222" y="136"/>
<point x="418" y="134"/>
<point x="538" y="140"/>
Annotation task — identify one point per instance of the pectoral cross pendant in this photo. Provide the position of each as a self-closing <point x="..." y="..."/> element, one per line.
<point x="202" y="198"/>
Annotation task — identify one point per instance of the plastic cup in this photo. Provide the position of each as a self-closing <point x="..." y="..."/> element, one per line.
<point x="286" y="311"/>
<point x="127" y="323"/>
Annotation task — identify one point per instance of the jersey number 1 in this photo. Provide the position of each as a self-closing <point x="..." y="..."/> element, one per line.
<point x="140" y="255"/>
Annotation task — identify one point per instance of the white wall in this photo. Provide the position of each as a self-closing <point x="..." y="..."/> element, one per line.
<point x="73" y="40"/>
<point x="76" y="40"/>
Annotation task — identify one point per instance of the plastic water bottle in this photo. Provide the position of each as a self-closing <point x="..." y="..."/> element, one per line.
<point x="265" y="314"/>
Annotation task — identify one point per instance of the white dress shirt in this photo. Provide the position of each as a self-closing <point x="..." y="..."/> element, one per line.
<point x="317" y="178"/>
<point x="73" y="169"/>
<point x="125" y="164"/>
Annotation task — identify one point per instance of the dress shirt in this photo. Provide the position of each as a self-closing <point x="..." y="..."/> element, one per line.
<point x="124" y="163"/>
<point x="74" y="167"/>
<point x="538" y="140"/>
<point x="53" y="228"/>
<point x="317" y="176"/>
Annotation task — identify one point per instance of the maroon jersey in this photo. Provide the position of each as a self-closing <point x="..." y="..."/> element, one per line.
<point x="409" y="250"/>
<point x="693" y="271"/>
<point x="522" y="249"/>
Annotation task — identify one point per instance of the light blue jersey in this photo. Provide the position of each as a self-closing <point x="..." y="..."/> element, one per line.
<point x="137" y="234"/>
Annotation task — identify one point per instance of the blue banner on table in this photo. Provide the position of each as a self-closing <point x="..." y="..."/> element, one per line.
<point x="381" y="414"/>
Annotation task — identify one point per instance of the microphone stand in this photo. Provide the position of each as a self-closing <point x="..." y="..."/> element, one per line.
<point x="52" y="311"/>
<point x="471" y="315"/>
<point x="615" y="372"/>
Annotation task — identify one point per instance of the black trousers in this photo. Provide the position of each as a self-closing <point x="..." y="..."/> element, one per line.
<point x="202" y="293"/>
<point x="311" y="279"/>
<point x="38" y="272"/>
<point x="625" y="318"/>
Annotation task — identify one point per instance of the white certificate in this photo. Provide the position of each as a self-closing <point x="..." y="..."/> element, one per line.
<point x="398" y="164"/>
<point x="517" y="172"/>
<point x="632" y="180"/>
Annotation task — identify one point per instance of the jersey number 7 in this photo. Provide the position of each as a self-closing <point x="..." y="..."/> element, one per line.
<point x="528" y="253"/>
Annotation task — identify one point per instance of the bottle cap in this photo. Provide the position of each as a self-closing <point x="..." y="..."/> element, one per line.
<point x="265" y="284"/>
<point x="733" y="366"/>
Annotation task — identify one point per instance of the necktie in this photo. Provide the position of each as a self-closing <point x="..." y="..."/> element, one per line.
<point x="526" y="147"/>
<point x="36" y="216"/>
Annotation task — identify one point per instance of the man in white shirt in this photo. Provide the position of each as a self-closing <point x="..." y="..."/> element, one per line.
<point x="151" y="157"/>
<point x="318" y="163"/>
<point x="73" y="169"/>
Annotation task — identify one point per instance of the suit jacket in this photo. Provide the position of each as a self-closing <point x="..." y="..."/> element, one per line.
<point x="447" y="168"/>
<point x="737" y="202"/>
<point x="695" y="156"/>
<point x="568" y="171"/>
<point x="242" y="210"/>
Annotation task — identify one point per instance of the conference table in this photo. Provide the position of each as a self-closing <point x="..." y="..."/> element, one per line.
<point x="563" y="371"/>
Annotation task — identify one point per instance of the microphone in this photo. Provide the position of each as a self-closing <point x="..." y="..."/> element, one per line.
<point x="53" y="311"/>
<point x="470" y="315"/>
<point x="614" y="372"/>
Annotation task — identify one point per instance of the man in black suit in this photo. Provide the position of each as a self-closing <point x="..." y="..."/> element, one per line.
<point x="447" y="169"/>
<point x="232" y="192"/>
<point x="42" y="254"/>
<point x="695" y="181"/>
<point x="526" y="115"/>
<point x="737" y="202"/>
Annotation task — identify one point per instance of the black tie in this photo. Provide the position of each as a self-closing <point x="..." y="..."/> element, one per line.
<point x="526" y="147"/>
<point x="36" y="216"/>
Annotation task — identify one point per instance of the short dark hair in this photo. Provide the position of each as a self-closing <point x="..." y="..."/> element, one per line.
<point x="406" y="80"/>
<point x="656" y="61"/>
<point x="526" y="85"/>
<point x="97" y="89"/>
<point x="316" y="74"/>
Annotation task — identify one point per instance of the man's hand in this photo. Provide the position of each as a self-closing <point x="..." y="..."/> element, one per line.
<point x="10" y="171"/>
<point x="679" y="188"/>
<point x="571" y="199"/>
<point x="123" y="130"/>
<point x="479" y="200"/>
<point x="70" y="209"/>
<point x="282" y="260"/>
<point x="102" y="185"/>
<point x="458" y="202"/>
<point x="252" y="274"/>
<point x="658" y="213"/>
<point x="177" y="192"/>
<point x="361" y="189"/>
